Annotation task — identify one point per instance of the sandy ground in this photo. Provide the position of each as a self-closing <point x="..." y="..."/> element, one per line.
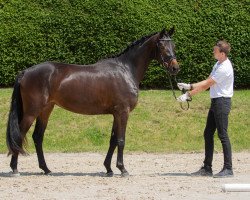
<point x="152" y="176"/>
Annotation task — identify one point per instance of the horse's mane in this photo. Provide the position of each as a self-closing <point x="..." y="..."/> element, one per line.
<point x="137" y="42"/>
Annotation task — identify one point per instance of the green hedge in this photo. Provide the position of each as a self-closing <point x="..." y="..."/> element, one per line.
<point x="84" y="31"/>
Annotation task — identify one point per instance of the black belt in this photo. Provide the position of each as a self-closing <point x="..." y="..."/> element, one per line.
<point x="217" y="98"/>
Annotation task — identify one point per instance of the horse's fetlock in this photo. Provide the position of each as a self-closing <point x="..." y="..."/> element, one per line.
<point x="106" y="164"/>
<point x="120" y="165"/>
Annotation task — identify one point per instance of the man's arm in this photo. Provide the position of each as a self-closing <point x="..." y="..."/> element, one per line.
<point x="194" y="88"/>
<point x="201" y="86"/>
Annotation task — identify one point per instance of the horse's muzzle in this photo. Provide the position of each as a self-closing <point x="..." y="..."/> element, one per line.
<point x="173" y="67"/>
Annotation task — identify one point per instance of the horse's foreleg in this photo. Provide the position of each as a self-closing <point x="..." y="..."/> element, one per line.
<point x="112" y="146"/>
<point x="123" y="118"/>
<point x="41" y="124"/>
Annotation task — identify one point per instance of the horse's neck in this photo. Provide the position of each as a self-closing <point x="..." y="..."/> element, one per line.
<point x="139" y="58"/>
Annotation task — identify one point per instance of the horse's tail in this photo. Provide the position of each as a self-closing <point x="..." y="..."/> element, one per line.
<point x="14" y="139"/>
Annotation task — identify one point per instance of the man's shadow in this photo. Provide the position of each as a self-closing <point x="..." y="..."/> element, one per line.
<point x="175" y="174"/>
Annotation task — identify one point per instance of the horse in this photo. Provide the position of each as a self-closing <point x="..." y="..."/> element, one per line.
<point x="110" y="86"/>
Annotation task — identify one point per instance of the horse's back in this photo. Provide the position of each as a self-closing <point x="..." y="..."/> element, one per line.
<point x="47" y="74"/>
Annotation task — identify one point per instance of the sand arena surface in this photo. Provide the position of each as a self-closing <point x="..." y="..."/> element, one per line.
<point x="152" y="176"/>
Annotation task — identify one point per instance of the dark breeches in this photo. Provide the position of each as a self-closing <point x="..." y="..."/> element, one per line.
<point x="217" y="119"/>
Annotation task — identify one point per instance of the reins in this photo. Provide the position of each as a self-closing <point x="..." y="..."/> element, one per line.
<point x="183" y="91"/>
<point x="169" y="76"/>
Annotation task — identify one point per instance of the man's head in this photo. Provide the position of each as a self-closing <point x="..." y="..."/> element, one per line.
<point x="224" y="46"/>
<point x="221" y="49"/>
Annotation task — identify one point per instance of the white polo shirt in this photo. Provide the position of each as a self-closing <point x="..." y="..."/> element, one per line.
<point x="223" y="75"/>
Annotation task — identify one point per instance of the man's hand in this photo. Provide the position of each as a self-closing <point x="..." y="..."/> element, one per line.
<point x="184" y="97"/>
<point x="185" y="86"/>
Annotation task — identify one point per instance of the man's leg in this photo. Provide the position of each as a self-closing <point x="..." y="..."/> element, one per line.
<point x="209" y="138"/>
<point x="221" y="115"/>
<point x="206" y="170"/>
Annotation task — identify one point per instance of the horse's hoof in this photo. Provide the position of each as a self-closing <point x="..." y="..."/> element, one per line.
<point x="109" y="174"/>
<point x="14" y="174"/>
<point x="124" y="174"/>
<point x="48" y="172"/>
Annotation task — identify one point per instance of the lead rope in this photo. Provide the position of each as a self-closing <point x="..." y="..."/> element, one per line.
<point x="183" y="92"/>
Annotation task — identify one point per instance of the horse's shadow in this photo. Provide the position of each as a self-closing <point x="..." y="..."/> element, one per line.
<point x="56" y="174"/>
<point x="91" y="174"/>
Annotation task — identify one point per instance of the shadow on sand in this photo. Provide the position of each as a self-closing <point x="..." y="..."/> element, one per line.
<point x="175" y="174"/>
<point x="57" y="174"/>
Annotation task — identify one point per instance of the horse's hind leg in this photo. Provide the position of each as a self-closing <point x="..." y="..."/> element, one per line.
<point x="41" y="124"/>
<point x="112" y="146"/>
<point x="24" y="125"/>
<point x="13" y="164"/>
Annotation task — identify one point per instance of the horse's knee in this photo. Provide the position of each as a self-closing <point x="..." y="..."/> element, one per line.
<point x="121" y="143"/>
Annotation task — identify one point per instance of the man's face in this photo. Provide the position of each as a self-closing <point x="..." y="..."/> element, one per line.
<point x="217" y="54"/>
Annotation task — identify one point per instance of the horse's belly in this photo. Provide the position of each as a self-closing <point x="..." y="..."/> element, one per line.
<point x="96" y="104"/>
<point x="83" y="105"/>
<point x="95" y="95"/>
<point x="86" y="110"/>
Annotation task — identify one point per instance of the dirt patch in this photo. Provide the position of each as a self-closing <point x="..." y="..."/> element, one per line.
<point x="152" y="176"/>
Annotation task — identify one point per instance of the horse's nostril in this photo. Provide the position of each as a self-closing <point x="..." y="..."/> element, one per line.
<point x="175" y="69"/>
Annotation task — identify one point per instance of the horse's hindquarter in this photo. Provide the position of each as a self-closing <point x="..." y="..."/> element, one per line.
<point x="97" y="89"/>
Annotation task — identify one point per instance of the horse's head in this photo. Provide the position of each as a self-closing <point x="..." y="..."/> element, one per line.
<point x="166" y="51"/>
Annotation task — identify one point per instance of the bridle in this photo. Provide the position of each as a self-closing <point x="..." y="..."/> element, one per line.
<point x="167" y="61"/>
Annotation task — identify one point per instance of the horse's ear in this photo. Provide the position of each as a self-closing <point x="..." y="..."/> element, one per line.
<point x="171" y="31"/>
<point x="162" y="32"/>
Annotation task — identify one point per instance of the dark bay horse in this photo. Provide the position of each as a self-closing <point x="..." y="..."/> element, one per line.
<point x="109" y="86"/>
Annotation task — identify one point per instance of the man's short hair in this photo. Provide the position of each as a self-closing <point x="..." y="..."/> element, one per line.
<point x="224" y="46"/>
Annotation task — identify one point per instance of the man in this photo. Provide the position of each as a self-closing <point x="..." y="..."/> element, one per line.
<point x="220" y="83"/>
